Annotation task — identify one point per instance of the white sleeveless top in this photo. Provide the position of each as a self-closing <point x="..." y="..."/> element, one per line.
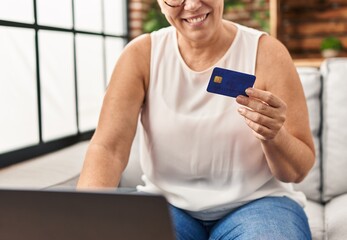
<point x="196" y="149"/>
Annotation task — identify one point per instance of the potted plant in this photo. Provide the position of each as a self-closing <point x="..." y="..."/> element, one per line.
<point x="330" y="47"/>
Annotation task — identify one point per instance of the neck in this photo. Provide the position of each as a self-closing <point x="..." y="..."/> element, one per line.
<point x="200" y="55"/>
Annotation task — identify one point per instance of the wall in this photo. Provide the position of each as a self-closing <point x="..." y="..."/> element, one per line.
<point x="303" y="24"/>
<point x="137" y="14"/>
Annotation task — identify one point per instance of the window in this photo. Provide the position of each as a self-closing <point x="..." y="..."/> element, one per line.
<point x="56" y="60"/>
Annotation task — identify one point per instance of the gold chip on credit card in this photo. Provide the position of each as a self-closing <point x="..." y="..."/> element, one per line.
<point x="218" y="79"/>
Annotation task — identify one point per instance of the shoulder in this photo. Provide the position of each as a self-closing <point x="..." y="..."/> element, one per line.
<point x="135" y="58"/>
<point x="143" y="42"/>
<point x="274" y="63"/>
<point x="139" y="47"/>
<point x="270" y="48"/>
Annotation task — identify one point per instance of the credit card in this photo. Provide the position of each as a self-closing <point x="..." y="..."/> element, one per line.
<point x="229" y="83"/>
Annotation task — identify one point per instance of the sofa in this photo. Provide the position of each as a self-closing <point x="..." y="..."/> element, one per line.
<point x="325" y="186"/>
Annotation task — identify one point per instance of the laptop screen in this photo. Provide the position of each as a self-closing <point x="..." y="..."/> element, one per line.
<point x="74" y="215"/>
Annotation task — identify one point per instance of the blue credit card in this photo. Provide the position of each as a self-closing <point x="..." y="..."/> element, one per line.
<point x="229" y="83"/>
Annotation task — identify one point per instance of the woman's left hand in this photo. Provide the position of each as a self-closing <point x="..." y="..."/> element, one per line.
<point x="264" y="112"/>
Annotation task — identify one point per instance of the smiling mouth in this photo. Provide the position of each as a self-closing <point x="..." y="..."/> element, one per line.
<point x="197" y="19"/>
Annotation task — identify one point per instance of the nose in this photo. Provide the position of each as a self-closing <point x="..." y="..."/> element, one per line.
<point x="192" y="5"/>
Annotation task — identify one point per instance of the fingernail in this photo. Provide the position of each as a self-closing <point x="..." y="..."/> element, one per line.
<point x="249" y="91"/>
<point x="240" y="97"/>
<point x="241" y="110"/>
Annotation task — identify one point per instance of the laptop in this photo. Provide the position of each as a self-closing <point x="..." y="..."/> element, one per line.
<point x="74" y="215"/>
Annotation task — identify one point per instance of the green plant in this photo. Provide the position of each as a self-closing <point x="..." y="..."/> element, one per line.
<point x="154" y="19"/>
<point x="331" y="43"/>
<point x="262" y="19"/>
<point x="255" y="9"/>
<point x="233" y="4"/>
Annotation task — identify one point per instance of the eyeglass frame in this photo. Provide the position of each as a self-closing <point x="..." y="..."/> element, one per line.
<point x="174" y="6"/>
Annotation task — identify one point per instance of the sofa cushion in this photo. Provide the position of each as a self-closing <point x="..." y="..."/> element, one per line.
<point x="336" y="218"/>
<point x="45" y="171"/>
<point x="311" y="82"/>
<point x="334" y="130"/>
<point x="68" y="184"/>
<point x="315" y="214"/>
<point x="132" y="174"/>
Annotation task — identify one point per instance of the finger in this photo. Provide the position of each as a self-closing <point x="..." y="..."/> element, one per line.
<point x="256" y="105"/>
<point x="264" y="96"/>
<point x="260" y="131"/>
<point x="259" y="118"/>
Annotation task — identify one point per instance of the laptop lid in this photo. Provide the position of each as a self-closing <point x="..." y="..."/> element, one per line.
<point x="68" y="215"/>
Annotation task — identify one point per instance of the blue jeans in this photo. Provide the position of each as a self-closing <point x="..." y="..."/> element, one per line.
<point x="269" y="218"/>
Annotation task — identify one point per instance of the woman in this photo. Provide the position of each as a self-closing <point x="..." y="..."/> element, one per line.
<point x="225" y="165"/>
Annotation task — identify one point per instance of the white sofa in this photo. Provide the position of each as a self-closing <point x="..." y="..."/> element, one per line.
<point x="325" y="186"/>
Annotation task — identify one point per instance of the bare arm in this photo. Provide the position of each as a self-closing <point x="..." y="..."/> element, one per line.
<point x="109" y="149"/>
<point x="278" y="113"/>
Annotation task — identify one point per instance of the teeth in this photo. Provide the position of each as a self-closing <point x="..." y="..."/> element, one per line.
<point x="196" y="20"/>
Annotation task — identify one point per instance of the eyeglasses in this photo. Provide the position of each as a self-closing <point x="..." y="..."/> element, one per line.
<point x="174" y="3"/>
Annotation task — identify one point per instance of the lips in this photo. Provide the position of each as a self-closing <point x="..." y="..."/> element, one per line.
<point x="197" y="19"/>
